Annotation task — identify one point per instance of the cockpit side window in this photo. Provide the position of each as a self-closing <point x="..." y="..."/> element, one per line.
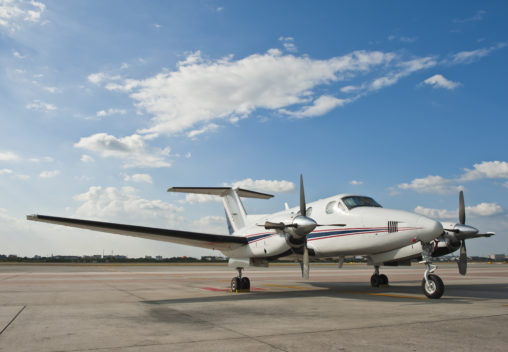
<point x="330" y="207"/>
<point x="359" y="201"/>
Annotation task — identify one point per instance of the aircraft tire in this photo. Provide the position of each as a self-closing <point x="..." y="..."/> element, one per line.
<point x="435" y="289"/>
<point x="375" y="280"/>
<point x="383" y="279"/>
<point x="235" y="284"/>
<point x="245" y="284"/>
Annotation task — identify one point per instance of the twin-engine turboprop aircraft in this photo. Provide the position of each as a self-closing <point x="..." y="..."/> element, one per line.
<point x="339" y="226"/>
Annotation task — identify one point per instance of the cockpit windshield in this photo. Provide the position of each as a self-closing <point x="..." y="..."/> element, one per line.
<point x="358" y="201"/>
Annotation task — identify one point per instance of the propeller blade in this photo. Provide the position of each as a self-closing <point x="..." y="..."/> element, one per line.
<point x="462" y="209"/>
<point x="305" y="263"/>
<point x="303" y="207"/>
<point x="462" y="263"/>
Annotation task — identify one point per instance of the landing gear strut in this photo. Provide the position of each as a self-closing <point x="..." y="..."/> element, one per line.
<point x="432" y="285"/>
<point x="239" y="283"/>
<point x="376" y="279"/>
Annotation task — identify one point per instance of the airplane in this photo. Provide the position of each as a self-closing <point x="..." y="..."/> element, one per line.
<point x="338" y="226"/>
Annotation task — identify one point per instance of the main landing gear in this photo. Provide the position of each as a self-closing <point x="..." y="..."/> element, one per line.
<point x="432" y="285"/>
<point x="239" y="283"/>
<point x="377" y="280"/>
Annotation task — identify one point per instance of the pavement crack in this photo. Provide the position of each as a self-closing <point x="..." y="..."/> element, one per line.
<point x="12" y="320"/>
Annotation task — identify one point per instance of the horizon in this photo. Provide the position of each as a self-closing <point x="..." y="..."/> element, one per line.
<point x="107" y="104"/>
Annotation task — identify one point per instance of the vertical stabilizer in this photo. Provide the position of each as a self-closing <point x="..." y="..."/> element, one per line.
<point x="234" y="209"/>
<point x="235" y="212"/>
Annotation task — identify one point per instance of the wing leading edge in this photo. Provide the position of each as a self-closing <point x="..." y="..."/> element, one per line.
<point x="196" y="239"/>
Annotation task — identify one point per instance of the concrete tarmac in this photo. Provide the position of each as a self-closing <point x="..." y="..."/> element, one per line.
<point x="188" y="308"/>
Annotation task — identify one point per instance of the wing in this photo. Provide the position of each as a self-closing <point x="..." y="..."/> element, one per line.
<point x="196" y="239"/>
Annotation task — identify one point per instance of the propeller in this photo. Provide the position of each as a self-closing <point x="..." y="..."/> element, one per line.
<point x="462" y="263"/>
<point x="299" y="227"/>
<point x="303" y="211"/>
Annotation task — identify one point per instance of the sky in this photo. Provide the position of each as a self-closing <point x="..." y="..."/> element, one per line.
<point x="106" y="104"/>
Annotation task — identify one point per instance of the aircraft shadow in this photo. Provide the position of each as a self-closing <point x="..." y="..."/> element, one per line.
<point x="402" y="292"/>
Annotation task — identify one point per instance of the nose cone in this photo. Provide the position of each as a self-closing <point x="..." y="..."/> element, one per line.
<point x="430" y="229"/>
<point x="304" y="226"/>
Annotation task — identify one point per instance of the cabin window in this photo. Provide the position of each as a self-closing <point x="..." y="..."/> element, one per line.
<point x="330" y="207"/>
<point x="359" y="201"/>
<point x="341" y="207"/>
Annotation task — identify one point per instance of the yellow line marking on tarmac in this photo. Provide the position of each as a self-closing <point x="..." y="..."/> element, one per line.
<point x="392" y="295"/>
<point x="284" y="286"/>
<point x="380" y="294"/>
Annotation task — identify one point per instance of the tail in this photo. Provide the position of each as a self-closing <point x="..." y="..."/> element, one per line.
<point x="235" y="212"/>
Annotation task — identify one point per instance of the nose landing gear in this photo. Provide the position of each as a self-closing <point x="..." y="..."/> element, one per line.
<point x="239" y="283"/>
<point x="432" y="284"/>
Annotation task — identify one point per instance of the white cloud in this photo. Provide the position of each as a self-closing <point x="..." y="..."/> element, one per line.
<point x="436" y="213"/>
<point x="437" y="184"/>
<point x="13" y="13"/>
<point x="466" y="57"/>
<point x="210" y="224"/>
<point x="356" y="183"/>
<point x="402" y="39"/>
<point x="8" y="156"/>
<point x="431" y="184"/>
<point x="52" y="90"/>
<point x="5" y="171"/>
<point x="17" y="55"/>
<point x="208" y="128"/>
<point x="201" y="90"/>
<point x="478" y="16"/>
<point x="38" y="105"/>
<point x="482" y="209"/>
<point x="486" y="169"/>
<point x="193" y="198"/>
<point x="438" y="81"/>
<point x="289" y="44"/>
<point x="110" y="111"/>
<point x="85" y="158"/>
<point x="351" y="89"/>
<point x="139" y="178"/>
<point x="123" y="204"/>
<point x="131" y="149"/>
<point x="274" y="186"/>
<point x="49" y="174"/>
<point x="96" y="78"/>
<point x="46" y="159"/>
<point x="404" y="69"/>
<point x="320" y="106"/>
<point x="10" y="172"/>
<point x="485" y="209"/>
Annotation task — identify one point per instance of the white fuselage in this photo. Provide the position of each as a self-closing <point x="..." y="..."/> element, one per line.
<point x="368" y="231"/>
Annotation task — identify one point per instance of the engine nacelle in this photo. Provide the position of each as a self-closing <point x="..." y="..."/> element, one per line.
<point x="447" y="243"/>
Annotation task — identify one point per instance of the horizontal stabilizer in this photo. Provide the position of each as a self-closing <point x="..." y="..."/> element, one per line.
<point x="220" y="191"/>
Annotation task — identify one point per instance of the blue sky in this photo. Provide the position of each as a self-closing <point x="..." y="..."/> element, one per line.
<point x="106" y="104"/>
